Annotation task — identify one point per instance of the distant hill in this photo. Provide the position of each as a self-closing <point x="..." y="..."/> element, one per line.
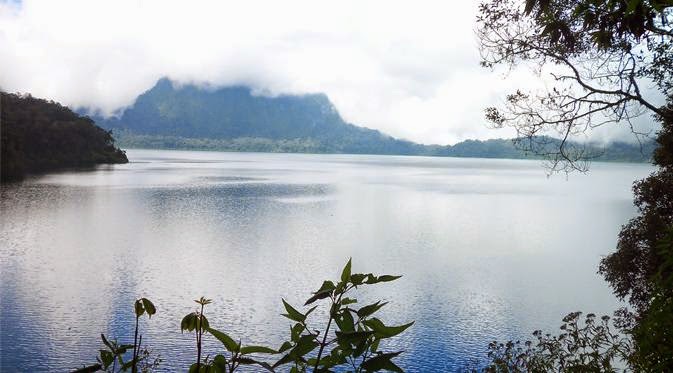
<point x="40" y="136"/>
<point x="234" y="119"/>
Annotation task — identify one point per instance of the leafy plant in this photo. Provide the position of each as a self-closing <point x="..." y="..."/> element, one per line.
<point x="356" y="339"/>
<point x="351" y="339"/>
<point x="238" y="355"/>
<point x="142" y="306"/>
<point x="197" y="322"/>
<point x="113" y="354"/>
<point x="592" y="346"/>
<point x="111" y="357"/>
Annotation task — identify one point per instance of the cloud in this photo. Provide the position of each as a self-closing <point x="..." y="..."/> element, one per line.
<point x="409" y="69"/>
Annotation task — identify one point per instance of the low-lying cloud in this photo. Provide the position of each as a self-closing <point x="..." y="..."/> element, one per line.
<point x="409" y="69"/>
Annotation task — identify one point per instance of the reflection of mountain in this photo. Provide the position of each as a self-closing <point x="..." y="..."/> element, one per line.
<point x="234" y="119"/>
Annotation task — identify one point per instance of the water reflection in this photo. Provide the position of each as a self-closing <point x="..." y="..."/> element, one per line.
<point x="489" y="249"/>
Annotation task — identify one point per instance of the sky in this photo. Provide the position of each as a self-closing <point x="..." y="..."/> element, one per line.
<point x="409" y="69"/>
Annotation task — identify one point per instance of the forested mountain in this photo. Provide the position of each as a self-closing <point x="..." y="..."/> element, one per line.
<point x="39" y="136"/>
<point x="234" y="112"/>
<point x="234" y="119"/>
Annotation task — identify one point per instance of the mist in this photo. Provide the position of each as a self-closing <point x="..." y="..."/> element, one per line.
<point x="409" y="70"/>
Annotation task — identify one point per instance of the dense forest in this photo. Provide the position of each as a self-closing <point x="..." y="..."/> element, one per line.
<point x="40" y="136"/>
<point x="170" y="116"/>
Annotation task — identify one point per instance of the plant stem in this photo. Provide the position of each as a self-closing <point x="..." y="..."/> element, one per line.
<point x="134" y="369"/>
<point x="199" y="333"/>
<point x="324" y="338"/>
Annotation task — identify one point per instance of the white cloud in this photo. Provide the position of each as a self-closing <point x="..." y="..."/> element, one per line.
<point x="407" y="68"/>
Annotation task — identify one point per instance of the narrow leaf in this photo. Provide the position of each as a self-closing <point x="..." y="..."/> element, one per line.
<point x="226" y="340"/>
<point x="292" y="313"/>
<point x="346" y="273"/>
<point x="257" y="349"/>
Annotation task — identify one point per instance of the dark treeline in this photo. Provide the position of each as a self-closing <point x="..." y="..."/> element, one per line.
<point x="40" y="136"/>
<point x="493" y="148"/>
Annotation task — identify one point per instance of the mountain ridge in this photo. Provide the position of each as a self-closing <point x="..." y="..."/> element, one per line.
<point x="232" y="118"/>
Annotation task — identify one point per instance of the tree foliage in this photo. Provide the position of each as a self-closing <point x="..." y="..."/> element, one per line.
<point x="632" y="267"/>
<point x="39" y="136"/>
<point x="600" y="56"/>
<point x="654" y="330"/>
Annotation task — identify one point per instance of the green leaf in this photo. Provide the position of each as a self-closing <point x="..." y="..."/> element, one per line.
<point x="305" y="345"/>
<point x="284" y="360"/>
<point x="295" y="331"/>
<point x="347" y="301"/>
<point x="202" y="322"/>
<point x="345" y="321"/>
<point x="149" y="307"/>
<point x="188" y="322"/>
<point x="325" y="291"/>
<point x="105" y="342"/>
<point x="326" y="285"/>
<point x="123" y="348"/>
<point x="386" y="331"/>
<point x="319" y="295"/>
<point x="220" y="362"/>
<point x="382" y="362"/>
<point x="346" y="273"/>
<point x="257" y="349"/>
<point x="249" y="361"/>
<point x="370" y="309"/>
<point x="353" y="338"/>
<point x="106" y="358"/>
<point x="310" y="310"/>
<point x="387" y="278"/>
<point x="375" y="345"/>
<point x="139" y="308"/>
<point x="358" y="278"/>
<point x="292" y="313"/>
<point x="285" y="346"/>
<point x="359" y="349"/>
<point x="226" y="340"/>
<point x="203" y="301"/>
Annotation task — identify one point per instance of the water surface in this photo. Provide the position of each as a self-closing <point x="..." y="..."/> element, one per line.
<point x="489" y="249"/>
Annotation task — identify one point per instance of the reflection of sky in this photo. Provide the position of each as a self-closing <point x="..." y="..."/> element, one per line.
<point x="489" y="249"/>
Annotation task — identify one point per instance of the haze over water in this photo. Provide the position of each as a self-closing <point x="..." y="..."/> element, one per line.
<point x="489" y="249"/>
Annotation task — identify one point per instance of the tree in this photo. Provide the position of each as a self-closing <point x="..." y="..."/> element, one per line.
<point x="631" y="269"/>
<point x="599" y="54"/>
<point x="654" y="331"/>
<point x="40" y="136"/>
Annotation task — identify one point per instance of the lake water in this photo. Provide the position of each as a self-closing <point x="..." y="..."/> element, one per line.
<point x="489" y="249"/>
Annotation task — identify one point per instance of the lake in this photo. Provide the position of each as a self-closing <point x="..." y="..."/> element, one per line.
<point x="489" y="249"/>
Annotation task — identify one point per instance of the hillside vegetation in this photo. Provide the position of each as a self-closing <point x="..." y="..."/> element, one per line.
<point x="40" y="136"/>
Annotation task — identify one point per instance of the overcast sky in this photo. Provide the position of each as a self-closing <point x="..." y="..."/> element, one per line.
<point x="408" y="68"/>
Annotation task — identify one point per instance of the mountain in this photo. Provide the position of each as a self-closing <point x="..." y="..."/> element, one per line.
<point x="235" y="119"/>
<point x="40" y="136"/>
<point x="234" y="112"/>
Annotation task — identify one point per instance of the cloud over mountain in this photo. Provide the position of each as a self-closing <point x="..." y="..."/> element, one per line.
<point x="409" y="69"/>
